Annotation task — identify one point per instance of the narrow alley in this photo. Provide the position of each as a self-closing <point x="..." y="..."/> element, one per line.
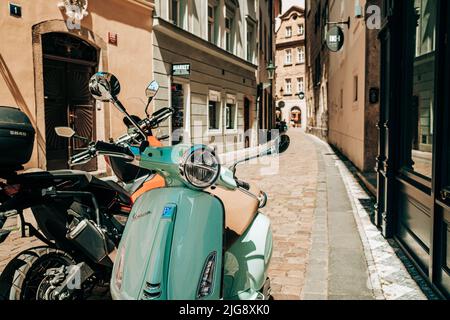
<point x="325" y="247"/>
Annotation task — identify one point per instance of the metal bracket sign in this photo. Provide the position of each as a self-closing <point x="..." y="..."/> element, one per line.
<point x="335" y="38"/>
<point x="182" y="70"/>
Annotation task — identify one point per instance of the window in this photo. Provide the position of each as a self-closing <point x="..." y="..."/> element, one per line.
<point x="288" y="89"/>
<point x="214" y="115"/>
<point x="230" y="115"/>
<point x="212" y="25"/>
<point x="300" y="85"/>
<point x="419" y="100"/>
<point x="214" y="111"/>
<point x="250" y="41"/>
<point x="355" y="88"/>
<point x="301" y="55"/>
<point x="229" y="31"/>
<point x="175" y="12"/>
<point x="288" y="59"/>
<point x="288" y="32"/>
<point x="301" y="29"/>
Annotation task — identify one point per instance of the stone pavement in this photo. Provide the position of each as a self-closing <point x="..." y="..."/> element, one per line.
<point x="324" y="244"/>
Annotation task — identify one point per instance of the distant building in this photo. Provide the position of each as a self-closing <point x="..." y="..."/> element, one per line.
<point x="317" y="62"/>
<point x="290" y="73"/>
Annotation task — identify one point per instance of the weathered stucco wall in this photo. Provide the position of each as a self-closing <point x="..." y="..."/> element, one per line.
<point x="20" y="61"/>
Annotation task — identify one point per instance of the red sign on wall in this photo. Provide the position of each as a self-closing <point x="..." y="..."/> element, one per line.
<point x="112" y="38"/>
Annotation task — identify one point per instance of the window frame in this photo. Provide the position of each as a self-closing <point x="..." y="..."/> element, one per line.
<point x="299" y="51"/>
<point x="216" y="96"/>
<point x="288" y="32"/>
<point x="286" y="91"/>
<point x="288" y="53"/>
<point x="230" y="100"/>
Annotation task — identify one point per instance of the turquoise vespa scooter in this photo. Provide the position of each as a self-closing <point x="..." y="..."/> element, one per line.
<point x="199" y="237"/>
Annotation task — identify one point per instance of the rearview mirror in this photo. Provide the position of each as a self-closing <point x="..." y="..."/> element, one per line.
<point x="150" y="92"/>
<point x="104" y="86"/>
<point x="152" y="89"/>
<point x="65" y="132"/>
<point x="284" y="143"/>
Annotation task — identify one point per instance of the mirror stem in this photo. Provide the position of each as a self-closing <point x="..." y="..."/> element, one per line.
<point x="122" y="109"/>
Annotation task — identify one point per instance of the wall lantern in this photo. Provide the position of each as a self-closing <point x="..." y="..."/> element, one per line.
<point x="271" y="70"/>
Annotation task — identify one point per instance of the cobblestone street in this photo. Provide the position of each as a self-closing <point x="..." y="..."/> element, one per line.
<point x="324" y="244"/>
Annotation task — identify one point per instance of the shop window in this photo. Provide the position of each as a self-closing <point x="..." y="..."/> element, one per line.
<point x="231" y="113"/>
<point x="214" y="111"/>
<point x="419" y="100"/>
<point x="178" y="100"/>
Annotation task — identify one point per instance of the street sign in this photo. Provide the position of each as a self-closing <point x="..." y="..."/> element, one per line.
<point x="335" y="38"/>
<point x="181" y="69"/>
<point x="301" y="95"/>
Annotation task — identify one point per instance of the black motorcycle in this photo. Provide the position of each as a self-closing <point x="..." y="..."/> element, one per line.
<point x="79" y="217"/>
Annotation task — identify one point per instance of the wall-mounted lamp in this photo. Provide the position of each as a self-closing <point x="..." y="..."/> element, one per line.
<point x="271" y="70"/>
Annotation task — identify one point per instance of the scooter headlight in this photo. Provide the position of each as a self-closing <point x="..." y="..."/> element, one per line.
<point x="200" y="167"/>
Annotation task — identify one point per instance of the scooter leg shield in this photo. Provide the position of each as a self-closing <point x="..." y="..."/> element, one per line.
<point x="172" y="241"/>
<point x="246" y="262"/>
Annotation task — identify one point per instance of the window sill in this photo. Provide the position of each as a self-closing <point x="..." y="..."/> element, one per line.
<point x="288" y="95"/>
<point x="213" y="132"/>
<point x="231" y="132"/>
<point x="288" y="65"/>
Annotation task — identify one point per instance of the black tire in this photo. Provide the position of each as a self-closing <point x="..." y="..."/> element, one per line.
<point x="7" y="276"/>
<point x="30" y="274"/>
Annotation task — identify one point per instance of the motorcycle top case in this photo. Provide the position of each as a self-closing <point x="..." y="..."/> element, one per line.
<point x="16" y="137"/>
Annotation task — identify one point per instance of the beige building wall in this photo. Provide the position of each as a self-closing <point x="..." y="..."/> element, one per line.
<point x="293" y="70"/>
<point x="21" y="80"/>
<point x="346" y="86"/>
<point x="352" y="72"/>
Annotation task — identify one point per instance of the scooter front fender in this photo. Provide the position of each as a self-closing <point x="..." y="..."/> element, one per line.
<point x="169" y="236"/>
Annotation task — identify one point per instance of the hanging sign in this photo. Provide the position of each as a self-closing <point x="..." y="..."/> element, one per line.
<point x="335" y="38"/>
<point x="181" y="69"/>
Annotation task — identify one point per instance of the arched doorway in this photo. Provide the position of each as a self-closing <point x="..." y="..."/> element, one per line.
<point x="68" y="64"/>
<point x="296" y="117"/>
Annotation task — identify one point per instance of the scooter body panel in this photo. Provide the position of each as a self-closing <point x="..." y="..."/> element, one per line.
<point x="246" y="262"/>
<point x="169" y="236"/>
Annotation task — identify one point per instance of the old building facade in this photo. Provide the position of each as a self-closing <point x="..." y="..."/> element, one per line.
<point x="290" y="73"/>
<point x="343" y="87"/>
<point x="317" y="63"/>
<point x="49" y="50"/>
<point x="222" y="48"/>
<point x="353" y="87"/>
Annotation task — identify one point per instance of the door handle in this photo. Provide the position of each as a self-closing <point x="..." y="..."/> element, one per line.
<point x="445" y="194"/>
